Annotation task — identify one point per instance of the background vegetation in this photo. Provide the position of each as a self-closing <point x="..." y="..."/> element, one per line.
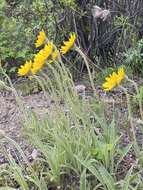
<point x="105" y="42"/>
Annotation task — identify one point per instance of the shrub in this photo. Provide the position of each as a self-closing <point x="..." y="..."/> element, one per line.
<point x="18" y="21"/>
<point x="134" y="57"/>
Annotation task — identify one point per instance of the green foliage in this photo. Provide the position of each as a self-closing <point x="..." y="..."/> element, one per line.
<point x="18" y="29"/>
<point x="12" y="42"/>
<point x="21" y="20"/>
<point x="134" y="57"/>
<point x="68" y="3"/>
<point x="122" y="21"/>
<point x="138" y="97"/>
<point x="12" y="39"/>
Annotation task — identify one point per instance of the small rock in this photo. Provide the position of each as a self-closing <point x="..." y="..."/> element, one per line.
<point x="34" y="154"/>
<point x="2" y="134"/>
<point x="80" y="88"/>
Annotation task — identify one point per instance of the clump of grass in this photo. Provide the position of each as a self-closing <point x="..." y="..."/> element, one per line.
<point x="76" y="139"/>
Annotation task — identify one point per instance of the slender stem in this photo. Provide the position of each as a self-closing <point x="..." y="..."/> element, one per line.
<point x="136" y="147"/>
<point x="88" y="69"/>
<point x="138" y="94"/>
<point x="41" y="84"/>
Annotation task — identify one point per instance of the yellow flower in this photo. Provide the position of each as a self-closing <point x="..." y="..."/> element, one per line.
<point x="110" y="82"/>
<point x="68" y="44"/>
<point x="114" y="79"/>
<point x="25" y="69"/>
<point x="48" y="50"/>
<point x="41" y="57"/>
<point x="120" y="75"/>
<point x="37" y="65"/>
<point x="40" y="39"/>
<point x="54" y="56"/>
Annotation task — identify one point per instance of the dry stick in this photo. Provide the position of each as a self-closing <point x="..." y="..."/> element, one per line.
<point x="136" y="147"/>
<point x="139" y="100"/>
<point x="88" y="69"/>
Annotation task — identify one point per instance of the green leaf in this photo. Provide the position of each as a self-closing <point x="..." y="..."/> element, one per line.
<point x="99" y="172"/>
<point x="83" y="181"/>
<point x="127" y="179"/>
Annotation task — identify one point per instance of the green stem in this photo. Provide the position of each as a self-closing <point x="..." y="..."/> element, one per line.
<point x="138" y="94"/>
<point x="88" y="69"/>
<point x="133" y="135"/>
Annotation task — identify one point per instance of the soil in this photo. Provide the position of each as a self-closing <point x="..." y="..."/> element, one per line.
<point x="10" y="119"/>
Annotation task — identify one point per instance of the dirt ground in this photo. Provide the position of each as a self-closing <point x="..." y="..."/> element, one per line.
<point x="10" y="119"/>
